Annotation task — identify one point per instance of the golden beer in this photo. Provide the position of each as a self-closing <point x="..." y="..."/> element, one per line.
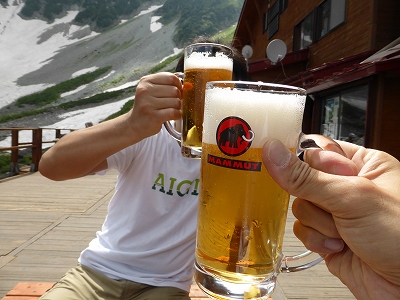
<point x="203" y="63"/>
<point x="194" y="89"/>
<point x="242" y="217"/>
<point x="242" y="211"/>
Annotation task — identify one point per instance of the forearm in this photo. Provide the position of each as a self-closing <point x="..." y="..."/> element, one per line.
<point x="80" y="152"/>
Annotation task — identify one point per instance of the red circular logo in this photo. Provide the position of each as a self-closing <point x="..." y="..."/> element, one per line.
<point x="234" y="136"/>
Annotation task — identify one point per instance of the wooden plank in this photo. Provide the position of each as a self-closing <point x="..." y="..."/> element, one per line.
<point x="30" y="288"/>
<point x="20" y="298"/>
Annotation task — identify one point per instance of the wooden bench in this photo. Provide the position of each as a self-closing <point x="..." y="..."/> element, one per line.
<point x="28" y="290"/>
<point x="33" y="291"/>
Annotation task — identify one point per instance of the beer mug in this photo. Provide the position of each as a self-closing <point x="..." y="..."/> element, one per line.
<point x="203" y="62"/>
<point x="242" y="211"/>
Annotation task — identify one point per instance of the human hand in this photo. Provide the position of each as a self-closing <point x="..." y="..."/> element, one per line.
<point x="157" y="100"/>
<point x="348" y="210"/>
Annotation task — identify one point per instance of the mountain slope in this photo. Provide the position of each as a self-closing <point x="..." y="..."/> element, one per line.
<point x="131" y="49"/>
<point x="35" y="54"/>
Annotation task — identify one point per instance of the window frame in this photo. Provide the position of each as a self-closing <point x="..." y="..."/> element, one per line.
<point x="334" y="124"/>
<point x="297" y="39"/>
<point x="316" y="26"/>
<point x="320" y="19"/>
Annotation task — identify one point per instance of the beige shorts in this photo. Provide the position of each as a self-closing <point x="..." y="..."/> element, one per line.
<point x="83" y="283"/>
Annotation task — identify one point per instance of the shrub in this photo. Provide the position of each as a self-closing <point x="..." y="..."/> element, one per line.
<point x="30" y="7"/>
<point x="125" y="108"/>
<point x="51" y="94"/>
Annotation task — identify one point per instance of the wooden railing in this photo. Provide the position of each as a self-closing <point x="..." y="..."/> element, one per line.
<point x="36" y="144"/>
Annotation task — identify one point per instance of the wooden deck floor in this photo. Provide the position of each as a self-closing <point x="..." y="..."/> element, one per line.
<point x="44" y="225"/>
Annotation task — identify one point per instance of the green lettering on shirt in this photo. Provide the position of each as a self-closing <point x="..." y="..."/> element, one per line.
<point x="171" y="186"/>
<point x="196" y="187"/>
<point x="182" y="188"/>
<point x="160" y="182"/>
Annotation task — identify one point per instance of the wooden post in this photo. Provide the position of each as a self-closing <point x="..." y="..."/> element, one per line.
<point x="14" y="153"/>
<point x="58" y="133"/>
<point x="36" y="148"/>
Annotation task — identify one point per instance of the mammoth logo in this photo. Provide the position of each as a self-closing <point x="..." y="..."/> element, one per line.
<point x="234" y="136"/>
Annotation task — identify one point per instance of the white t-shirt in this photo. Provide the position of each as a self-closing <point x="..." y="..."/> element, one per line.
<point x="149" y="233"/>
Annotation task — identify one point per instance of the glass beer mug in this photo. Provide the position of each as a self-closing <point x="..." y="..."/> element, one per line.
<point x="203" y="62"/>
<point x="242" y="211"/>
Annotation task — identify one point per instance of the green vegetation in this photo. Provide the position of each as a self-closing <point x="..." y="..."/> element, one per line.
<point x="5" y="162"/>
<point x="99" y="14"/>
<point x="199" y="18"/>
<point x="98" y="98"/>
<point x="127" y="107"/>
<point x="105" y="13"/>
<point x="52" y="94"/>
<point x="30" y="7"/>
<point x="226" y="36"/>
<point x="164" y="63"/>
<point x="27" y="113"/>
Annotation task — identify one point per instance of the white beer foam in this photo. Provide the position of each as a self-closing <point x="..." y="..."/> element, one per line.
<point x="269" y="115"/>
<point x="198" y="60"/>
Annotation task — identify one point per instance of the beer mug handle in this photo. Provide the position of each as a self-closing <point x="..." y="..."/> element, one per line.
<point x="168" y="126"/>
<point x="304" y="142"/>
<point x="171" y="130"/>
<point x="286" y="266"/>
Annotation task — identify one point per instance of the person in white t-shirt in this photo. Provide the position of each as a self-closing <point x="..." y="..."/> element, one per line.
<point x="145" y="249"/>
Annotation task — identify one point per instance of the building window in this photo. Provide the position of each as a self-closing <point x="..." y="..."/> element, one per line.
<point x="330" y="14"/>
<point x="317" y="24"/>
<point x="304" y="33"/>
<point x="344" y="114"/>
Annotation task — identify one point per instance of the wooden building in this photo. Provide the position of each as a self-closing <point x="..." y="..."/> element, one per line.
<point x="345" y="53"/>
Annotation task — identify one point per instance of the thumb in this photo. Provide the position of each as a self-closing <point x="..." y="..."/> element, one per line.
<point x="301" y="180"/>
<point x="284" y="166"/>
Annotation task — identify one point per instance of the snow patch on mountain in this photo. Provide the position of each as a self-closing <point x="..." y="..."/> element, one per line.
<point x="26" y="45"/>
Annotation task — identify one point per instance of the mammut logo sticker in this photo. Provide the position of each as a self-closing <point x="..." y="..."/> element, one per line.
<point x="234" y="136"/>
<point x="234" y="164"/>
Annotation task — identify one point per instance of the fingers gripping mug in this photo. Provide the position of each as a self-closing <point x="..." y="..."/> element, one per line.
<point x="203" y="62"/>
<point x="242" y="211"/>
